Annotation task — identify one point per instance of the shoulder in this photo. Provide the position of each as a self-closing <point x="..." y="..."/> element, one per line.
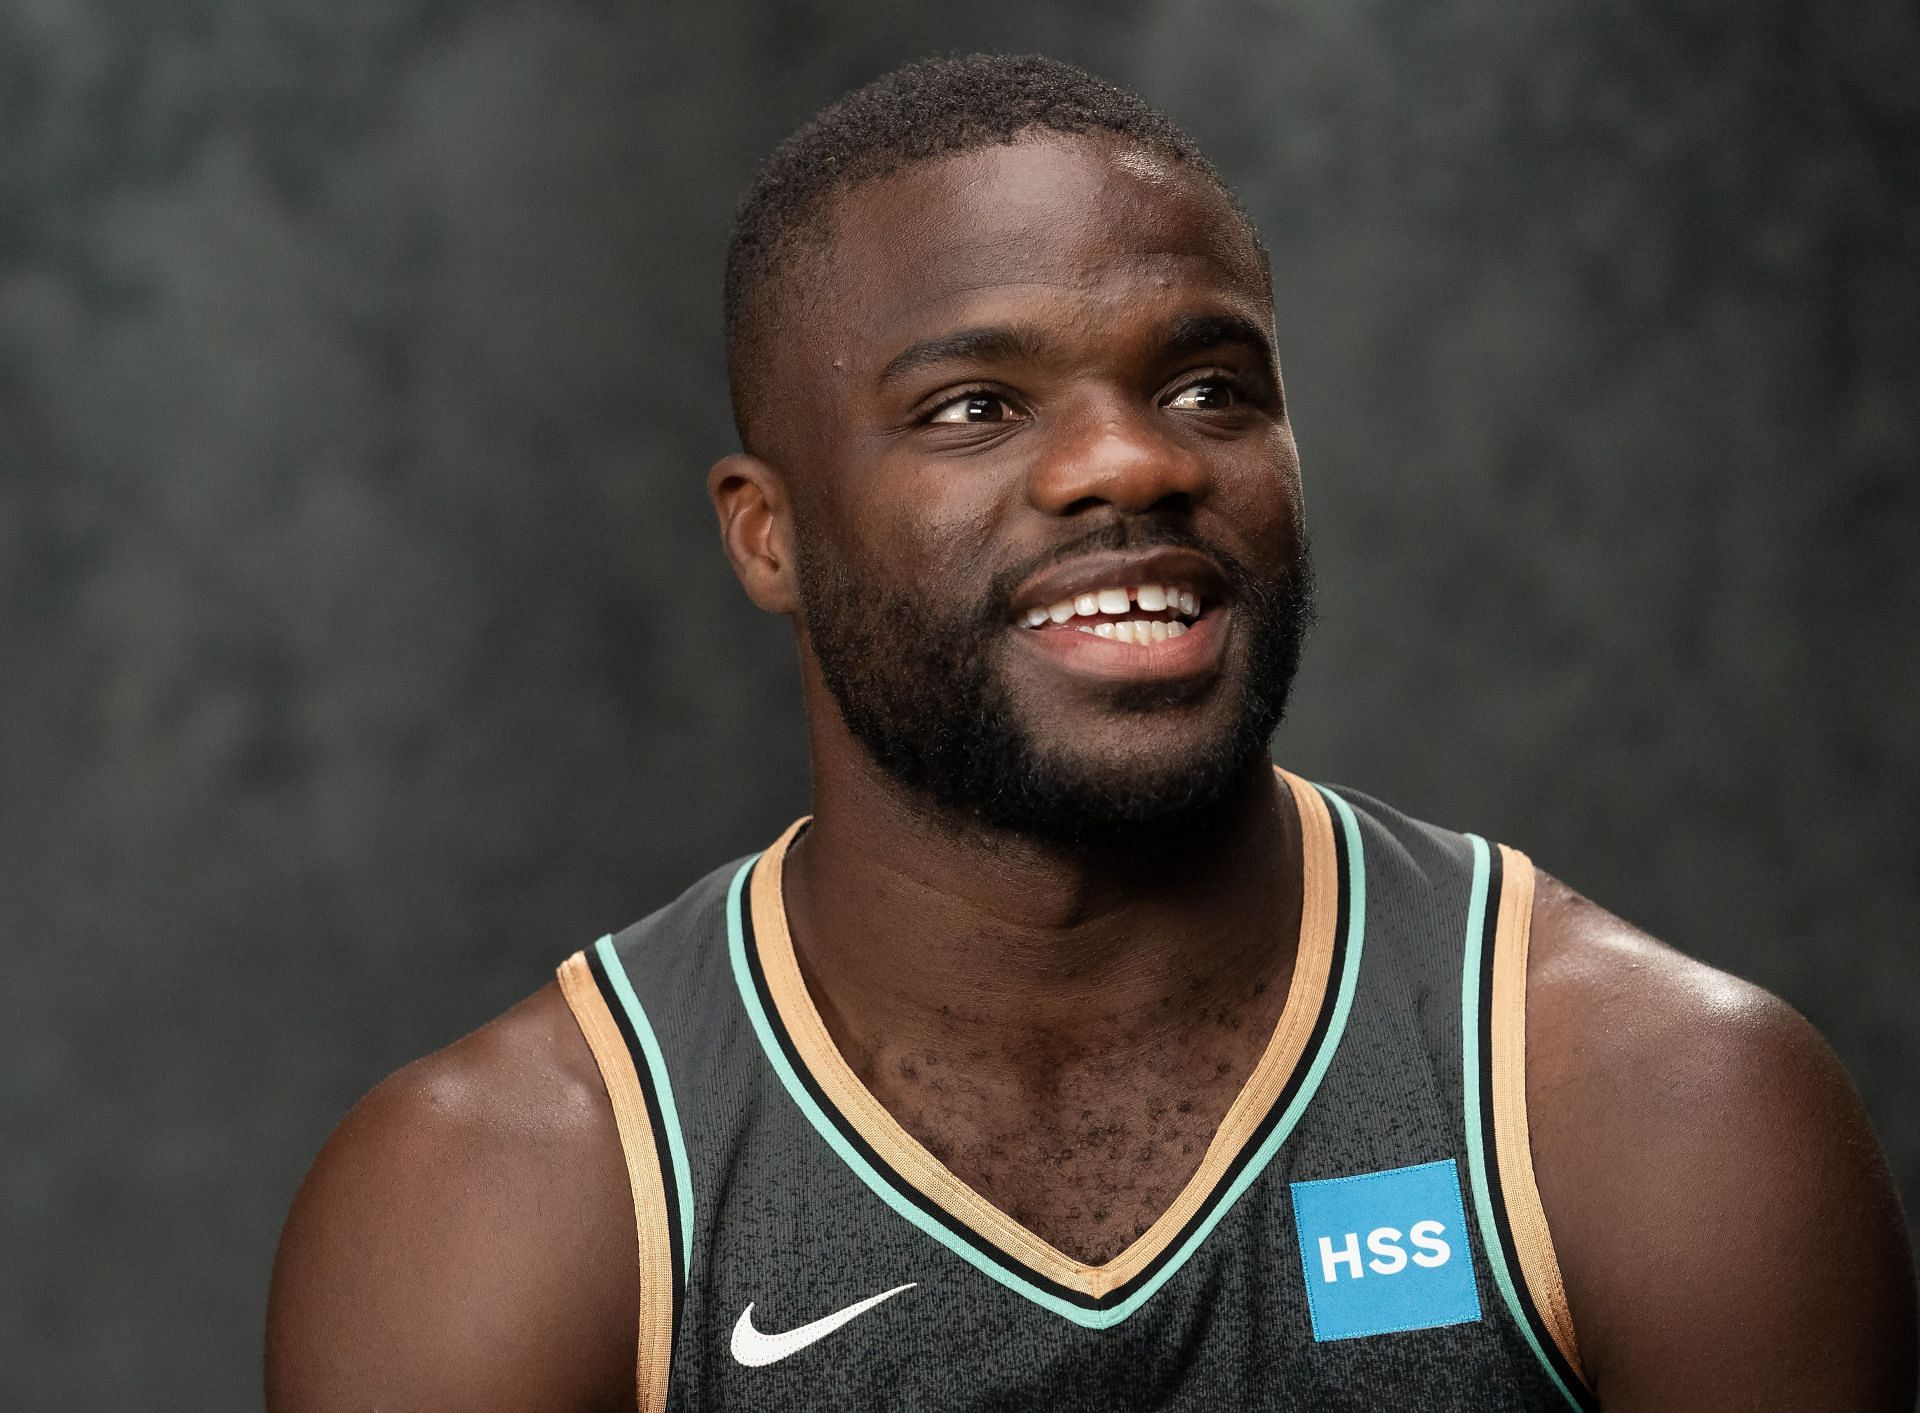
<point x="1724" y="1220"/>
<point x="465" y="1238"/>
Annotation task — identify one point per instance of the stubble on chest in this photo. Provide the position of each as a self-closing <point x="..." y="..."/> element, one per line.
<point x="1084" y="1142"/>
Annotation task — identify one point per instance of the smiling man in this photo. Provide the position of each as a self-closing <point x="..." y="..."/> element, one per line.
<point x="1069" y="1056"/>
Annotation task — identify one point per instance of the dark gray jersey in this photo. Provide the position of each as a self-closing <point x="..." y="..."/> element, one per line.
<point x="1363" y="1232"/>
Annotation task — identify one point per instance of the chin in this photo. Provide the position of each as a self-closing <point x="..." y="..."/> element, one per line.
<point x="1082" y="797"/>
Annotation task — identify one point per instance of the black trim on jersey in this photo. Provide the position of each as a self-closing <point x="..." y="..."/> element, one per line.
<point x="966" y="1234"/>
<point x="663" y="1152"/>
<point x="1490" y="1154"/>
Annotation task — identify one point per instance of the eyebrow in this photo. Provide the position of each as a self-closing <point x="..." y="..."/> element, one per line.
<point x="998" y="343"/>
<point x="1196" y="333"/>
<point x="1184" y="336"/>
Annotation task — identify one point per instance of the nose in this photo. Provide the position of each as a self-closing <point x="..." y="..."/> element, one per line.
<point x="1116" y="454"/>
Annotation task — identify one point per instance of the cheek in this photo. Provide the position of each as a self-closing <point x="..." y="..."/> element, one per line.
<point x="954" y="540"/>
<point x="928" y="526"/>
<point x="1261" y="496"/>
<point x="898" y="555"/>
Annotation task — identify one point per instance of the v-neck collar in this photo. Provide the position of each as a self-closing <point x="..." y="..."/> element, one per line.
<point x="927" y="1193"/>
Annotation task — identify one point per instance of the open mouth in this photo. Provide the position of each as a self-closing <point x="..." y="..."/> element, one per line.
<point x="1133" y="613"/>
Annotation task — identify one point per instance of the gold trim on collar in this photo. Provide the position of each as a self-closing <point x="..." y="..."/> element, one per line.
<point x="900" y="1150"/>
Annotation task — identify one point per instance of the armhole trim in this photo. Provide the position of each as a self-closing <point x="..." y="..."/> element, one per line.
<point x="1493" y="1091"/>
<point x="1512" y="1148"/>
<point x="646" y="1178"/>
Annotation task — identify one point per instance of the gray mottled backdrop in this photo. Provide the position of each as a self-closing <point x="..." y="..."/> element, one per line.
<point x="364" y="645"/>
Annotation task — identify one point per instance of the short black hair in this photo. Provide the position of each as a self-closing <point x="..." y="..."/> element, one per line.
<point x="921" y="111"/>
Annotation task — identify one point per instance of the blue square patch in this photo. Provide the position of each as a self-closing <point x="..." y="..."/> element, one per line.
<point x="1385" y="1251"/>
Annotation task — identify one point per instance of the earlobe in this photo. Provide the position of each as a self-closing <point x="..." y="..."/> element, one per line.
<point x="750" y="500"/>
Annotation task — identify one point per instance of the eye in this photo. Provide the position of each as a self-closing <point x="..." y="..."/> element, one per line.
<point x="972" y="409"/>
<point x="1207" y="395"/>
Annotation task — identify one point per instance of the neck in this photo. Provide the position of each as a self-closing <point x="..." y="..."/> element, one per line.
<point x="914" y="928"/>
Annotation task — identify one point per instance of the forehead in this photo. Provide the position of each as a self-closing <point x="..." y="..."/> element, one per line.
<point x="1048" y="222"/>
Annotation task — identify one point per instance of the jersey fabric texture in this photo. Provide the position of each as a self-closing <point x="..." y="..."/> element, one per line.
<point x="1363" y="1231"/>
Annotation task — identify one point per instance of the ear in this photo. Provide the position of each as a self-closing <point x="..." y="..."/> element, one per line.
<point x="756" y="529"/>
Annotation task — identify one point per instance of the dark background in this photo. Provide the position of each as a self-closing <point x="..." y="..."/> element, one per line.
<point x="365" y="646"/>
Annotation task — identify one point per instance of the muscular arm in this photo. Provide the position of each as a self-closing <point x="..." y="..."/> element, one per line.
<point x="465" y="1241"/>
<point x="1726" y="1225"/>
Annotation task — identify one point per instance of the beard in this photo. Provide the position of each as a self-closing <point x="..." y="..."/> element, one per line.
<point x="917" y="684"/>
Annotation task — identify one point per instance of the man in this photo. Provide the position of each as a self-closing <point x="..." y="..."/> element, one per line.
<point x="1070" y="1056"/>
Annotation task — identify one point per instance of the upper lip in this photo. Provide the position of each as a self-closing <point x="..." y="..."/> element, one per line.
<point x="1177" y="568"/>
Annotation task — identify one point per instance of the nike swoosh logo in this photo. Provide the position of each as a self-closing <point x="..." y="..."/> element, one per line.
<point x="754" y="1349"/>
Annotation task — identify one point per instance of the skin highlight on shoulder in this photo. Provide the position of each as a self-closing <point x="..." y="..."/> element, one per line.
<point x="465" y="1239"/>
<point x="1725" y="1222"/>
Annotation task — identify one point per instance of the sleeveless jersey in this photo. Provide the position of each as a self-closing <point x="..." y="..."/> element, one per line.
<point x="1363" y="1232"/>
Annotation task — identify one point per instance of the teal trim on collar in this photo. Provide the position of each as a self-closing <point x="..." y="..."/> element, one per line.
<point x="662" y="1089"/>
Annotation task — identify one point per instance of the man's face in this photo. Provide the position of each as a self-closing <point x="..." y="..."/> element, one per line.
<point x="1052" y="566"/>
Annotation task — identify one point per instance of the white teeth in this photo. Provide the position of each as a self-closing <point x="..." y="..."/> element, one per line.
<point x="1135" y="631"/>
<point x="1110" y="603"/>
<point x="1138" y="631"/>
<point x="1145" y="630"/>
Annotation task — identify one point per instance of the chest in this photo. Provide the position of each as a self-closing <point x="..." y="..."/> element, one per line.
<point x="1086" y="1154"/>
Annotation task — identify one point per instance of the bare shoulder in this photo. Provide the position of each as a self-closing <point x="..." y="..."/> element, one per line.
<point x="1725" y="1222"/>
<point x="464" y="1240"/>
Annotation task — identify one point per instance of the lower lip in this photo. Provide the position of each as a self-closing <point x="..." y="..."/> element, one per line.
<point x="1193" y="653"/>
